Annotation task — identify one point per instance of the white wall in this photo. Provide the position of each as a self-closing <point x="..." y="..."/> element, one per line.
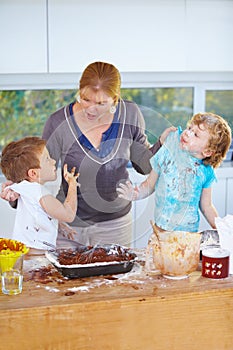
<point x="57" y="36"/>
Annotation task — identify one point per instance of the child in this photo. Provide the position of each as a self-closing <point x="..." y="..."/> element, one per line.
<point x="183" y="172"/>
<point x="28" y="165"/>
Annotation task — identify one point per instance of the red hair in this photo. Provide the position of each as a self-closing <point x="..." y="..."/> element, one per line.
<point x="20" y="156"/>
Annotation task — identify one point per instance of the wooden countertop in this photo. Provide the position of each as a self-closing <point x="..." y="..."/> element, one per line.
<point x="126" y="311"/>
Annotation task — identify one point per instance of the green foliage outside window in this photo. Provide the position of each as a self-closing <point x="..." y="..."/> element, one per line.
<point x="162" y="107"/>
<point x="221" y="103"/>
<point x="23" y="113"/>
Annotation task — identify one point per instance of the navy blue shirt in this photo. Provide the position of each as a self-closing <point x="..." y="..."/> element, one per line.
<point x="109" y="135"/>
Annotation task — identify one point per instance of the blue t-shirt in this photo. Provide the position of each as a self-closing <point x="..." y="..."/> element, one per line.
<point x="179" y="186"/>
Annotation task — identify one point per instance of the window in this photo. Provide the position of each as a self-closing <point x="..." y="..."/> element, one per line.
<point x="24" y="112"/>
<point x="162" y="107"/>
<point x="221" y="103"/>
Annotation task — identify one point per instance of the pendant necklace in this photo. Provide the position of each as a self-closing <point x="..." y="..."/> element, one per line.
<point x="82" y="148"/>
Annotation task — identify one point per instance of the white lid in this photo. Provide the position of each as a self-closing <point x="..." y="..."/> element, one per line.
<point x="215" y="253"/>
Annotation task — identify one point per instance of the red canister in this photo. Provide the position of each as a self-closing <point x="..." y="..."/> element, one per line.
<point x="215" y="263"/>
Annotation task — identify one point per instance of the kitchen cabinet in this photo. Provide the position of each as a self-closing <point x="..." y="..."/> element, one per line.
<point x="128" y="36"/>
<point x="207" y="41"/>
<point x="53" y="36"/>
<point x="23" y="26"/>
<point x="181" y="45"/>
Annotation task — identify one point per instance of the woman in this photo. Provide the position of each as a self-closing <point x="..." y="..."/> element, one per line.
<point x="99" y="134"/>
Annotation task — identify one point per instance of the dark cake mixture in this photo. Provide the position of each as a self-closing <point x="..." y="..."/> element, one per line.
<point x="93" y="254"/>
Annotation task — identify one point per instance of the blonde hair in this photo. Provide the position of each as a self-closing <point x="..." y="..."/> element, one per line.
<point x="219" y="136"/>
<point x="101" y="76"/>
<point x="20" y="156"/>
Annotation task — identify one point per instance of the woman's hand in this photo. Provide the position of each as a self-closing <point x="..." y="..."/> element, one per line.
<point x="70" y="176"/>
<point x="66" y="231"/>
<point x="8" y="194"/>
<point x="127" y="191"/>
<point x="165" y="134"/>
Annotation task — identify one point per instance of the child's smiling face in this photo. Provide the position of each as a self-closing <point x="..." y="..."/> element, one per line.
<point x="195" y="140"/>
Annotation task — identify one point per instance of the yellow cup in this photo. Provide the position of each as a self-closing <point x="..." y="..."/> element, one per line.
<point x="8" y="260"/>
<point x="11" y="265"/>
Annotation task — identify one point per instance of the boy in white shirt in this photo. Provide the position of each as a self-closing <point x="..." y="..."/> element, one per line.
<point x="28" y="165"/>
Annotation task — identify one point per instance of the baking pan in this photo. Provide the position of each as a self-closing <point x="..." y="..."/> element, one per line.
<point x="91" y="269"/>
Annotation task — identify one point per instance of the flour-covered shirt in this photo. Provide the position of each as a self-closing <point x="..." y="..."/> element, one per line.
<point x="32" y="224"/>
<point x="178" y="189"/>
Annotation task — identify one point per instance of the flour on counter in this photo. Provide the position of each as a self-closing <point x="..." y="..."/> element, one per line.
<point x="50" y="289"/>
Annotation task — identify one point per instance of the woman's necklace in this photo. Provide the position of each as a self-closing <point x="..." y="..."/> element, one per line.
<point x="118" y="146"/>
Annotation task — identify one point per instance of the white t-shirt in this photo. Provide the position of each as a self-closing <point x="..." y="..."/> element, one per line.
<point x="32" y="223"/>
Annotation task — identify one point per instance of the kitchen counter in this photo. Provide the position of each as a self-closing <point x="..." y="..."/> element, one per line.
<point x="127" y="311"/>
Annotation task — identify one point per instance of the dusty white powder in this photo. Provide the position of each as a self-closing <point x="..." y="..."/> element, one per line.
<point x="52" y="289"/>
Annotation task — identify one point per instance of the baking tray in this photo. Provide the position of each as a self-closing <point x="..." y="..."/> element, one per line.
<point x="90" y="269"/>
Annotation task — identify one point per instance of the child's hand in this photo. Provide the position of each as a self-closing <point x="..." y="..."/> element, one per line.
<point x="7" y="193"/>
<point x="165" y="134"/>
<point x="70" y="176"/>
<point x="127" y="191"/>
<point x="66" y="231"/>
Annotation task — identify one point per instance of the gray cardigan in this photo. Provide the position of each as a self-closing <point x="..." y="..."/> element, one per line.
<point x="99" y="177"/>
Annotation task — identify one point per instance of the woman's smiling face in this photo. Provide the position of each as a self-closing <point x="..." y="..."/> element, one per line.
<point x="195" y="140"/>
